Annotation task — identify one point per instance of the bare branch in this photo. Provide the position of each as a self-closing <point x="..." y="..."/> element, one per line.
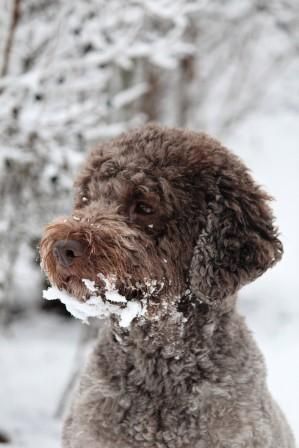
<point x="10" y="38"/>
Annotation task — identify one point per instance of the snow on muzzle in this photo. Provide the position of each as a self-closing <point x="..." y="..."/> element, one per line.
<point x="75" y="251"/>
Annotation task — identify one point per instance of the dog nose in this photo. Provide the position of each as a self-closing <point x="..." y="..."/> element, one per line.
<point x="65" y="251"/>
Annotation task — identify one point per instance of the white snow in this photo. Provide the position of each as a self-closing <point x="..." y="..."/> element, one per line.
<point x="95" y="306"/>
<point x="37" y="357"/>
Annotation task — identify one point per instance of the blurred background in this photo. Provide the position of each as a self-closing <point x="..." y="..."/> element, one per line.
<point x="75" y="73"/>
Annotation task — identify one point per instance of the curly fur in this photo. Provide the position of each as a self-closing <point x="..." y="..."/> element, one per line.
<point x="173" y="206"/>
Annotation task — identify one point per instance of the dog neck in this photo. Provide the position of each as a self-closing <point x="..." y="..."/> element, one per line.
<point x="189" y="329"/>
<point x="199" y="345"/>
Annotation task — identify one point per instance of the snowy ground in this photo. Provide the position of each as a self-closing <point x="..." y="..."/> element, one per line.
<point x="37" y="353"/>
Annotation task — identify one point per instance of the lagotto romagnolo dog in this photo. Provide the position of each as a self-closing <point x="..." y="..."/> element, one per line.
<point x="174" y="207"/>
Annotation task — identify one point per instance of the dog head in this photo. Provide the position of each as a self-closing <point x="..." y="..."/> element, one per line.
<point x="167" y="207"/>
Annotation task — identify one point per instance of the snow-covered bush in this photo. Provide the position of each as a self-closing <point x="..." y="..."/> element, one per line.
<point x="73" y="73"/>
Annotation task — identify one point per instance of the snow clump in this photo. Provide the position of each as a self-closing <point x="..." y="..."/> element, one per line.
<point x="95" y="306"/>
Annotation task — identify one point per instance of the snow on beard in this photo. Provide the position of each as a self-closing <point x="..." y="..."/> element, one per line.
<point x="118" y="270"/>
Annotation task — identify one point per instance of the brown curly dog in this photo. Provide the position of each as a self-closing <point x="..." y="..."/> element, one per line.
<point x="174" y="207"/>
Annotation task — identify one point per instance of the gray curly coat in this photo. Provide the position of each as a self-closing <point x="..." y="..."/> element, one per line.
<point x="177" y="207"/>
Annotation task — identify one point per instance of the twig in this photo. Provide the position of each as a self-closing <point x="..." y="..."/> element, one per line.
<point x="10" y="38"/>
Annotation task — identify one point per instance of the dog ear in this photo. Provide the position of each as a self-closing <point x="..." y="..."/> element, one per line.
<point x="238" y="242"/>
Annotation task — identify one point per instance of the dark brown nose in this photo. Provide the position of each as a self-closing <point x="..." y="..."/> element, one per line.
<point x="65" y="251"/>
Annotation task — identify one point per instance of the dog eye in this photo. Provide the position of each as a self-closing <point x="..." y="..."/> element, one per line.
<point x="143" y="209"/>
